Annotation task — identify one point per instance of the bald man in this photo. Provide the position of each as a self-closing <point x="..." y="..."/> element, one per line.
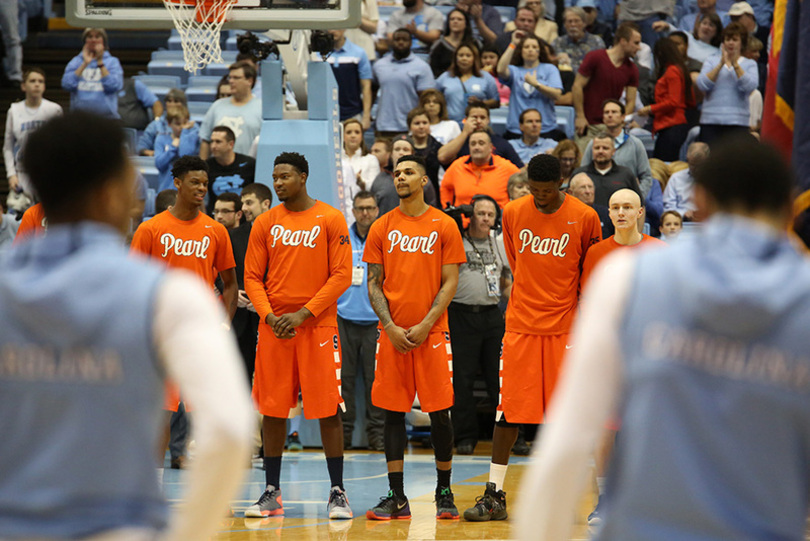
<point x="625" y="211"/>
<point x="581" y="186"/>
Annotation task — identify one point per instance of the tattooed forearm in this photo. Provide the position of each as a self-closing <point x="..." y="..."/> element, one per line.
<point x="375" y="294"/>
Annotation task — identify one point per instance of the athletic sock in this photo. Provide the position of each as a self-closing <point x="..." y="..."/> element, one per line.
<point x="443" y="478"/>
<point x="272" y="470"/>
<point x="335" y="466"/>
<point x="396" y="481"/>
<point x="497" y="473"/>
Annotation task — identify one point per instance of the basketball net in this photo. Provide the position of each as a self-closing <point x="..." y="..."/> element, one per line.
<point x="199" y="23"/>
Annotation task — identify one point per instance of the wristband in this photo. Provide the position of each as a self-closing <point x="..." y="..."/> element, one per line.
<point x="512" y="46"/>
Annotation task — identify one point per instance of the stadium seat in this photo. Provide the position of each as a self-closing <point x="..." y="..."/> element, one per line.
<point x="202" y="88"/>
<point x="197" y="110"/>
<point x="566" y="116"/>
<point x="507" y="13"/>
<point x="497" y="119"/>
<point x="146" y="166"/>
<point x="163" y="54"/>
<point x="172" y="66"/>
<point x="160" y="84"/>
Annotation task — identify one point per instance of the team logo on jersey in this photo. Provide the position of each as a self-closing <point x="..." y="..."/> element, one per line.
<point x="414" y="244"/>
<point x="288" y="237"/>
<point x="188" y="248"/>
<point x="539" y="245"/>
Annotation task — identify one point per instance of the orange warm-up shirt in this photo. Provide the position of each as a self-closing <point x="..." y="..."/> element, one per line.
<point x="463" y="179"/>
<point x="412" y="251"/>
<point x="545" y="253"/>
<point x="598" y="251"/>
<point x="33" y="222"/>
<point x="201" y="245"/>
<point x="299" y="259"/>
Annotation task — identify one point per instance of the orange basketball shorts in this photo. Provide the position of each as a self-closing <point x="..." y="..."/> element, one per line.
<point x="530" y="366"/>
<point x="426" y="370"/>
<point x="171" y="401"/>
<point x="309" y="362"/>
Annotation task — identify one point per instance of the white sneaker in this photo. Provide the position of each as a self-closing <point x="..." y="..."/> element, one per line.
<point x="338" y="506"/>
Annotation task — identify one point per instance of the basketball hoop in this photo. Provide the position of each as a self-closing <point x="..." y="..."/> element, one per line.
<point x="199" y="23"/>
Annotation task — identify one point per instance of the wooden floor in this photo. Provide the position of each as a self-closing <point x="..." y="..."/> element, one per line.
<point x="305" y="487"/>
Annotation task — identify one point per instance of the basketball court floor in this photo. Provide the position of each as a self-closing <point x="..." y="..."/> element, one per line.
<point x="305" y="487"/>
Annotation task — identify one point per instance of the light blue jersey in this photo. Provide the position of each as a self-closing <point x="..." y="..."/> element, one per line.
<point x="80" y="387"/>
<point x="716" y="418"/>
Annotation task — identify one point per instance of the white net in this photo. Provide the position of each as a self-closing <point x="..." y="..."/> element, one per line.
<point x="199" y="24"/>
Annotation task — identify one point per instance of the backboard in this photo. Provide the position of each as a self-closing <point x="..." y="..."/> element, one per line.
<point x="245" y="15"/>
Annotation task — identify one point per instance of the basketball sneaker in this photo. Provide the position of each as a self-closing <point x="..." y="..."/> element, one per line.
<point x="338" y="506"/>
<point x="294" y="442"/>
<point x="490" y="506"/>
<point x="390" y="507"/>
<point x="269" y="504"/>
<point x="445" y="504"/>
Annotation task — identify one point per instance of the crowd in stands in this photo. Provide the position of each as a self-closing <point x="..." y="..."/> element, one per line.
<point x="683" y="73"/>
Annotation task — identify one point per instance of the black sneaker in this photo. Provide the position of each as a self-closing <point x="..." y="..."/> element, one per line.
<point x="390" y="507"/>
<point x="490" y="506"/>
<point x="294" y="442"/>
<point x="521" y="448"/>
<point x="445" y="504"/>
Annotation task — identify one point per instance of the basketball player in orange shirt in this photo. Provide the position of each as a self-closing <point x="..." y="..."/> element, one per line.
<point x="298" y="263"/>
<point x="33" y="222"/>
<point x="546" y="237"/>
<point x="413" y="253"/>
<point x="625" y="211"/>
<point x="184" y="237"/>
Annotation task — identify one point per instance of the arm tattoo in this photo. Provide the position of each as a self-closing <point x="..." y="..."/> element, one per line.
<point x="375" y="293"/>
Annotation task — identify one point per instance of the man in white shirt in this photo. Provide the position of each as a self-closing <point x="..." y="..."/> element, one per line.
<point x="679" y="193"/>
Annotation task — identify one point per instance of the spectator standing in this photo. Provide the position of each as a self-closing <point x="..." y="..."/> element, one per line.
<point x="644" y="13"/>
<point x="146" y="142"/>
<point x="228" y="172"/>
<point x="242" y="112"/>
<point x="630" y="151"/>
<point x="401" y="76"/>
<point x="364" y="166"/>
<point x="357" y="328"/>
<point x="603" y="75"/>
<point x="704" y="40"/>
<point x="477" y="117"/>
<point x="362" y="35"/>
<point x="9" y="27"/>
<point x="457" y="30"/>
<point x="424" y="144"/>
<point x="22" y="119"/>
<point x="486" y="21"/>
<point x="570" y="157"/>
<point x="689" y="22"/>
<point x="481" y="172"/>
<point x="184" y="140"/>
<point x="525" y="21"/>
<point x="441" y="127"/>
<point x="475" y="320"/>
<point x="535" y="84"/>
<point x="592" y="23"/>
<point x="228" y="212"/>
<point x="673" y="95"/>
<point x="544" y="29"/>
<point x="352" y="70"/>
<point x="464" y="83"/>
<point x="606" y="174"/>
<point x="576" y="42"/>
<point x="137" y="105"/>
<point x="726" y="80"/>
<point x="94" y="76"/>
<point x="423" y="22"/>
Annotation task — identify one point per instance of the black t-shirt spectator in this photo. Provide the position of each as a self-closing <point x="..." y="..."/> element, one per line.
<point x="229" y="178"/>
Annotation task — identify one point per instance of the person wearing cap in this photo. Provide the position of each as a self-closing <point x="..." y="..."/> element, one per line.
<point x="743" y="13"/>
<point x="593" y="25"/>
<point x="94" y="76"/>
